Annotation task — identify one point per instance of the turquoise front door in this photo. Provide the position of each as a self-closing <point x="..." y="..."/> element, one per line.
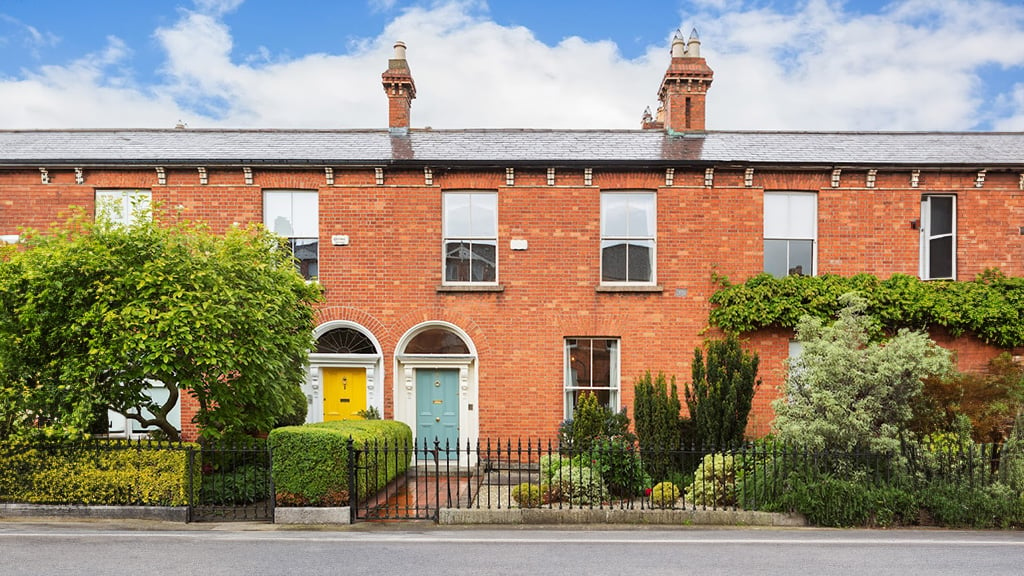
<point x="437" y="406"/>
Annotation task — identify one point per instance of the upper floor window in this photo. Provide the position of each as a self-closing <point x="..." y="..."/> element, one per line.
<point x="938" y="237"/>
<point x="470" y="237"/>
<point x="295" y="214"/>
<point x="790" y="233"/>
<point x="123" y="206"/>
<point x="628" y="235"/>
<point x="591" y="367"/>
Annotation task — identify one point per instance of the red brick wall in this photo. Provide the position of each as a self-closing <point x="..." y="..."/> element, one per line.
<point x="386" y="279"/>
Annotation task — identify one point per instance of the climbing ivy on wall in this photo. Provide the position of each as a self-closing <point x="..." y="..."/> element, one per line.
<point x="991" y="306"/>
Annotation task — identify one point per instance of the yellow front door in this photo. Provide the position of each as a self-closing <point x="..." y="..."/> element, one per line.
<point x="344" y="393"/>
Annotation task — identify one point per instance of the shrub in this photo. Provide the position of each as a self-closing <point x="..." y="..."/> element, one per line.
<point x="617" y="461"/>
<point x="1013" y="457"/>
<point x="992" y="506"/>
<point x="850" y="393"/>
<point x="829" y="501"/>
<point x="295" y="409"/>
<point x="714" y="482"/>
<point x="549" y="465"/>
<point x="528" y="495"/>
<point x="105" y="473"/>
<point x="312" y="461"/>
<point x="656" y="410"/>
<point x="591" y="420"/>
<point x="723" y="390"/>
<point x="580" y="485"/>
<point x="664" y="495"/>
<point x="242" y="485"/>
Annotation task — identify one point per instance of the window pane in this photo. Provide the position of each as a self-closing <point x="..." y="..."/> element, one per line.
<point x="790" y="215"/>
<point x="613" y="261"/>
<point x="277" y="213"/>
<point x="457" y="215"/>
<point x="457" y="261"/>
<point x="802" y="215"/>
<point x="484" y="256"/>
<point x="614" y="214"/>
<point x="941" y="217"/>
<point x="436" y="341"/>
<point x="801" y="258"/>
<point x="776" y="216"/>
<point x="776" y="258"/>
<point x="940" y="257"/>
<point x="305" y="214"/>
<point x="641" y="215"/>
<point x="638" y="261"/>
<point x="484" y="220"/>
<point x="306" y="255"/>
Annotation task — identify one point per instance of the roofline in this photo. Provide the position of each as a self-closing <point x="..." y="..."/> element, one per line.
<point x="501" y="164"/>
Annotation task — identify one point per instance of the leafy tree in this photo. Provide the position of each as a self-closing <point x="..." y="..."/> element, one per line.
<point x="92" y="312"/>
<point x="850" y="390"/>
<point x="987" y="400"/>
<point x="723" y="392"/>
<point x="656" y="410"/>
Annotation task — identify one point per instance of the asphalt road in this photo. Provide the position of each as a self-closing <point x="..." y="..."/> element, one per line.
<point x="100" y="548"/>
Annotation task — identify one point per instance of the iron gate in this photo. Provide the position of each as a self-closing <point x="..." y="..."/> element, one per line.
<point x="231" y="482"/>
<point x="433" y="480"/>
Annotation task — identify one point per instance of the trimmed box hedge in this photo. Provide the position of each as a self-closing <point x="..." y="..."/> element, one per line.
<point x="311" y="462"/>
<point x="97" y="473"/>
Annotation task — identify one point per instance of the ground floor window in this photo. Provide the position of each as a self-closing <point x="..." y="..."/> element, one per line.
<point x="591" y="366"/>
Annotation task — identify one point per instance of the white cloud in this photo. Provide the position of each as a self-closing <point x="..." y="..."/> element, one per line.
<point x="912" y="67"/>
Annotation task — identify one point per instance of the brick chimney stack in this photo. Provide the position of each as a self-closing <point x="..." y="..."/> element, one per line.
<point x="401" y="90"/>
<point x="684" y="89"/>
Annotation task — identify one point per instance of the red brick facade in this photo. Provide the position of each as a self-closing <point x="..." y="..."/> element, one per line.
<point x="388" y="279"/>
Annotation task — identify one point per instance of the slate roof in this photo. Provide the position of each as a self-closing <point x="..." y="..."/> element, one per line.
<point x="501" y="147"/>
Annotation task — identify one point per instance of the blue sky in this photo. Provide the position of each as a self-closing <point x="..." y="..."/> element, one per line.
<point x="779" y="65"/>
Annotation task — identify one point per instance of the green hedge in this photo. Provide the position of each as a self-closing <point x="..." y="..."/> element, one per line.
<point x="97" y="473"/>
<point x="311" y="462"/>
<point x="991" y="306"/>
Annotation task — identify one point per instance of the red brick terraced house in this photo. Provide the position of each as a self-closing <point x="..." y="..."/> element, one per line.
<point x="477" y="280"/>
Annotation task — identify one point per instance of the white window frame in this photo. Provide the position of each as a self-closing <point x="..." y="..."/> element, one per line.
<point x="120" y="426"/>
<point x="123" y="207"/>
<point x="927" y="237"/>
<point x="293" y="235"/>
<point x="624" y="239"/>
<point x="790" y="230"/>
<point x="571" y="384"/>
<point x="447" y="235"/>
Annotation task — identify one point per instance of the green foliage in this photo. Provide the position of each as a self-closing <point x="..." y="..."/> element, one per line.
<point x="969" y="506"/>
<point x="826" y="500"/>
<point x="96" y="474"/>
<point x="242" y="485"/>
<point x="590" y="421"/>
<point x="848" y="393"/>
<point x="617" y="461"/>
<point x="991" y="306"/>
<point x="580" y="485"/>
<point x="1012" y="462"/>
<point x="664" y="495"/>
<point x="369" y="413"/>
<point x="714" y="482"/>
<point x="528" y="495"/>
<point x="987" y="401"/>
<point x="656" y="410"/>
<point x="90" y="312"/>
<point x="296" y="407"/>
<point x="722" y="393"/>
<point x="311" y="462"/>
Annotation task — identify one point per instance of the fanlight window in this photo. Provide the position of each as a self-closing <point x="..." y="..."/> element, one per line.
<point x="436" y="341"/>
<point x="345" y="341"/>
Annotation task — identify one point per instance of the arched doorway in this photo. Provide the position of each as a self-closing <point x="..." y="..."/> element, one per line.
<point x="436" y="384"/>
<point x="345" y="371"/>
